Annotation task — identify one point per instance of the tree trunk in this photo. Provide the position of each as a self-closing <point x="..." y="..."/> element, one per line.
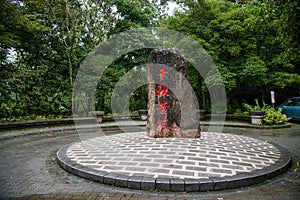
<point x="70" y="70"/>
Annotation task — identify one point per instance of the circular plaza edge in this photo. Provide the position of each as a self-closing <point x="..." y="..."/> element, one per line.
<point x="253" y="162"/>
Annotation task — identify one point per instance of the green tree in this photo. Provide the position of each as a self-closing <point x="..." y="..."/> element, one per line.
<point x="132" y="14"/>
<point x="254" y="44"/>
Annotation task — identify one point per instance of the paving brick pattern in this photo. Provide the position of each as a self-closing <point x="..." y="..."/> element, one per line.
<point x="135" y="154"/>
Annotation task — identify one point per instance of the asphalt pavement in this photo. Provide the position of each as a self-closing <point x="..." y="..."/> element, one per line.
<point x="29" y="170"/>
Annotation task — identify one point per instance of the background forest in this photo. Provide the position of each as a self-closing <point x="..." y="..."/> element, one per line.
<point x="254" y="43"/>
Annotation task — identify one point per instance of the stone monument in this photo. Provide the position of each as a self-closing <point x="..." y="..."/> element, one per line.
<point x="172" y="106"/>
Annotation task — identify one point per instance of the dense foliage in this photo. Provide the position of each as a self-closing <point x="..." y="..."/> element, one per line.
<point x="254" y="43"/>
<point x="273" y="116"/>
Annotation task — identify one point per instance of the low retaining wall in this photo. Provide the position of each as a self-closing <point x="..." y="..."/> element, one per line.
<point x="91" y="120"/>
<point x="243" y="118"/>
<point x="60" y="122"/>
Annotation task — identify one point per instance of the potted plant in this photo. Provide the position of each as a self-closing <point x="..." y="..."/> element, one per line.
<point x="99" y="115"/>
<point x="142" y="106"/>
<point x="203" y="113"/>
<point x="256" y="112"/>
<point x="143" y="113"/>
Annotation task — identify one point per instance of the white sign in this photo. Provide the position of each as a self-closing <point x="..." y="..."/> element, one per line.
<point x="272" y="97"/>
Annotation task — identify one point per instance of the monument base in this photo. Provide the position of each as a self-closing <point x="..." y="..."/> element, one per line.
<point x="189" y="133"/>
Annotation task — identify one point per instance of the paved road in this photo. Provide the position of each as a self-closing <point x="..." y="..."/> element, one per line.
<point x="28" y="170"/>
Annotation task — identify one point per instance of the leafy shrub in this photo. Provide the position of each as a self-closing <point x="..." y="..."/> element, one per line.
<point x="249" y="107"/>
<point x="238" y="112"/>
<point x="273" y="116"/>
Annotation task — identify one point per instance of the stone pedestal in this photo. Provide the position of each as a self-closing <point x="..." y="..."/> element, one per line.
<point x="256" y="119"/>
<point x="256" y="116"/>
<point x="172" y="106"/>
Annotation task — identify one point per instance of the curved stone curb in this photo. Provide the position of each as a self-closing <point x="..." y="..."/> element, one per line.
<point x="104" y="126"/>
<point x="90" y="120"/>
<point x="240" y="125"/>
<point x="59" y="122"/>
<point x="176" y="184"/>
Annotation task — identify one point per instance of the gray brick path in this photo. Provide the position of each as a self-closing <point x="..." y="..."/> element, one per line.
<point x="135" y="154"/>
<point x="218" y="161"/>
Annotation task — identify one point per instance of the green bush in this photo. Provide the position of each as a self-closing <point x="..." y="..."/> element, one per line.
<point x="249" y="107"/>
<point x="273" y="116"/>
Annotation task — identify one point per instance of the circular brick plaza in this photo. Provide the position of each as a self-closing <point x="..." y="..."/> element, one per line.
<point x="217" y="161"/>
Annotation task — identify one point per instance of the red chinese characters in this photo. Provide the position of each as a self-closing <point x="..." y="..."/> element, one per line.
<point x="163" y="122"/>
<point x="162" y="90"/>
<point x="162" y="73"/>
<point x="163" y="107"/>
